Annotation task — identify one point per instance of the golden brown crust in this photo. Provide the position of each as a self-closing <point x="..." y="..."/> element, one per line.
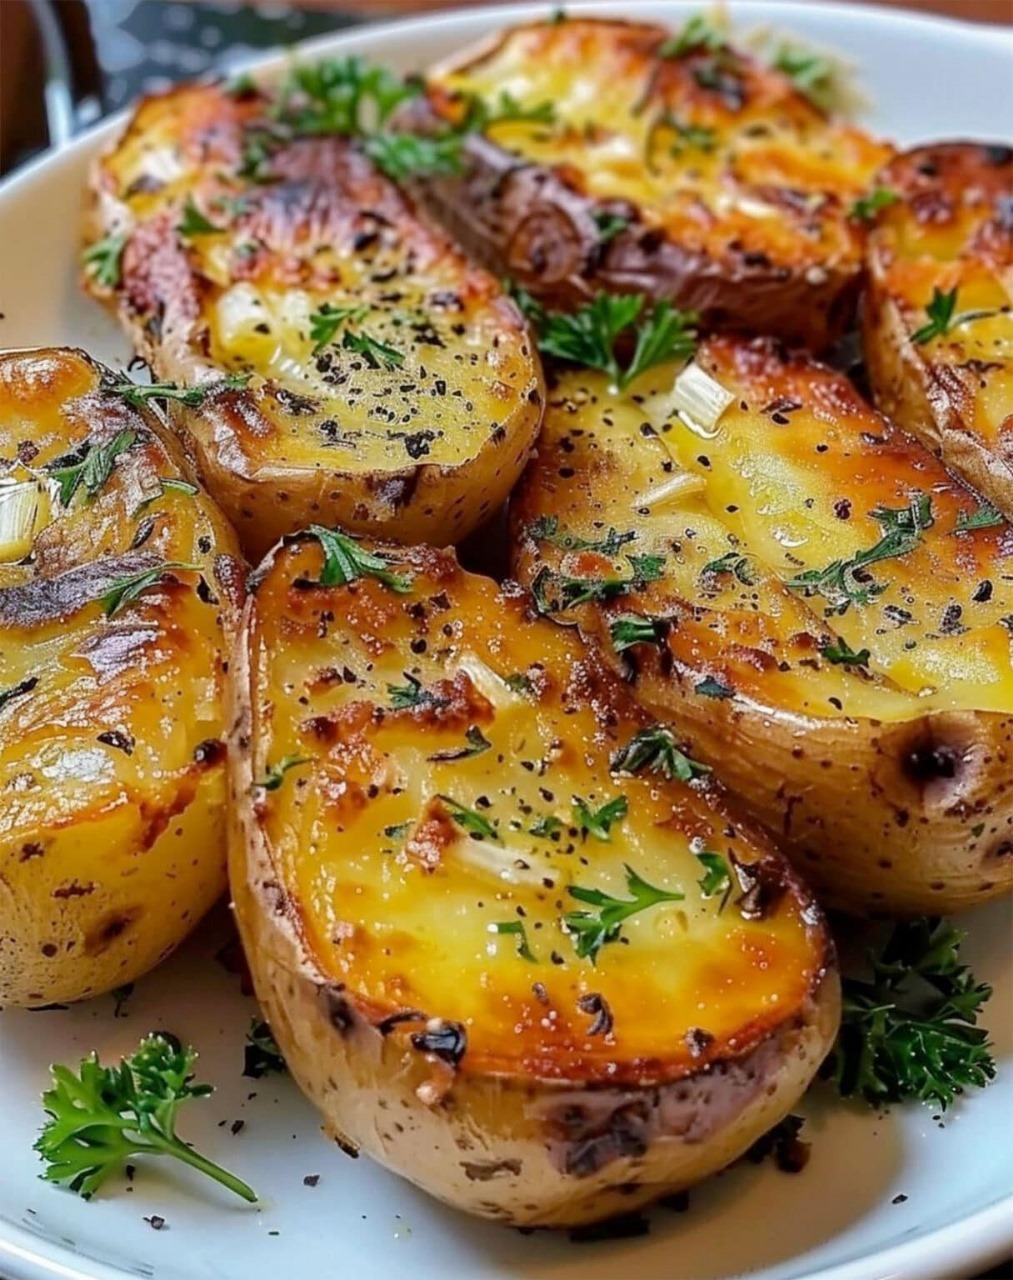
<point x="514" y="1090"/>
<point x="113" y="842"/>
<point x="418" y="442"/>
<point x="951" y="228"/>
<point x="744" y="220"/>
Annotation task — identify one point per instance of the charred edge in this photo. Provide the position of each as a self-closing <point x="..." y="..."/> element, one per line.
<point x="447" y="1041"/>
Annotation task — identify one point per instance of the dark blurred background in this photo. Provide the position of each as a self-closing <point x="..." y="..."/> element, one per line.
<point x="83" y="58"/>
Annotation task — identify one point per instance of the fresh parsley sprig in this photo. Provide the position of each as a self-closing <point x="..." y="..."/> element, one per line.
<point x="555" y="592"/>
<point x="594" y="335"/>
<point x="261" y="1055"/>
<point x="102" y="1117"/>
<point x="655" y="750"/>
<point x="909" y="1029"/>
<point x="591" y="930"/>
<point x="138" y="394"/>
<point x="516" y="929"/>
<point x="470" y="820"/>
<point x="346" y="560"/>
<point x="102" y="260"/>
<point x="91" y="468"/>
<point x="635" y="628"/>
<point x="126" y="590"/>
<point x="599" y="822"/>
<point x="985" y="516"/>
<point x="943" y="316"/>
<point x="716" y="878"/>
<point x="329" y="318"/>
<point x="840" y="653"/>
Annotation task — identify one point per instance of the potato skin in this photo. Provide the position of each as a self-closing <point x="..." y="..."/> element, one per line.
<point x="114" y="827"/>
<point x="523" y="1126"/>
<point x="751" y="239"/>
<point x="896" y="801"/>
<point x="950" y="229"/>
<point x="422" y="445"/>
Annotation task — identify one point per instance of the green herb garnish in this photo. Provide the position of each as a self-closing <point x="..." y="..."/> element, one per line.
<point x="518" y="682"/>
<point x="375" y="353"/>
<point x="634" y="628"/>
<point x="590" y="336"/>
<point x="569" y="591"/>
<point x="940" y="312"/>
<point x="345" y="561"/>
<point x="126" y="590"/>
<point x="92" y="469"/>
<point x="599" y="822"/>
<point x="261" y="1055"/>
<point x="734" y="563"/>
<point x="404" y="155"/>
<point x="103" y="258"/>
<point x="812" y="74"/>
<point x="546" y="826"/>
<point x="139" y="394"/>
<point x="546" y="529"/>
<point x="846" y="582"/>
<point x="866" y="207"/>
<point x="656" y="750"/>
<point x="688" y="137"/>
<point x="345" y="96"/>
<point x="591" y="930"/>
<point x="403" y="697"/>
<point x="717" y="876"/>
<point x="841" y="653"/>
<point x="476" y="741"/>
<point x="469" y="820"/>
<point x="194" y="223"/>
<point x="328" y="319"/>
<point x="609" y="225"/>
<point x="697" y="34"/>
<point x="275" y="774"/>
<point x="516" y="927"/>
<point x="711" y="688"/>
<point x="909" y="1030"/>
<point x="984" y="517"/>
<point x="103" y="1117"/>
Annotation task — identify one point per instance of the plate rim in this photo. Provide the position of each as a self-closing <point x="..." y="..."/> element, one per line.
<point x="957" y="1248"/>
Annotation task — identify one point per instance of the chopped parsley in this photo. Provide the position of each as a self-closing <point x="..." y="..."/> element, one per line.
<point x="841" y="653"/>
<point x="405" y="155"/>
<point x="813" y="75"/>
<point x="846" y="582"/>
<point x="375" y="353"/>
<point x="100" y="1118"/>
<point x="866" y="207"/>
<point x="469" y="820"/>
<point x="138" y="394"/>
<point x="261" y="1055"/>
<point x="328" y="319"/>
<point x="555" y="592"/>
<point x="91" y="468"/>
<point x="516" y="928"/>
<point x="609" y="225"/>
<point x="591" y="930"/>
<point x="697" y="34"/>
<point x="194" y="223"/>
<point x="276" y="773"/>
<point x="984" y="517"/>
<point x="593" y="335"/>
<point x="688" y="137"/>
<point x="656" y="750"/>
<point x="717" y="876"/>
<point x="740" y="566"/>
<point x="599" y="822"/>
<point x="126" y="590"/>
<point x="413" y="694"/>
<point x="909" y="1027"/>
<point x="711" y="688"/>
<point x="476" y="744"/>
<point x="940" y="313"/>
<point x="546" y="529"/>
<point x="634" y="628"/>
<point x="546" y="826"/>
<point x="346" y="560"/>
<point x="102" y="260"/>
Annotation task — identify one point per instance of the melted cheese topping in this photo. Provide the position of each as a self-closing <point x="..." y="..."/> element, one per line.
<point x="787" y="482"/>
<point x="403" y="904"/>
<point x="722" y="154"/>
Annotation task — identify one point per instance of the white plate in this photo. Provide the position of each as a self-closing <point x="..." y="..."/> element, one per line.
<point x="884" y="1197"/>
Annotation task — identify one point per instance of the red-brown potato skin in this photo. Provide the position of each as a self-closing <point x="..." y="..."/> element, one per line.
<point x="538" y="223"/>
<point x="951" y="227"/>
<point x="518" y="1133"/>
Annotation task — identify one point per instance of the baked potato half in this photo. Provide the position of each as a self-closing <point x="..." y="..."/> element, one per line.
<point x="393" y="387"/>
<point x="620" y="157"/>
<point x="120" y="590"/>
<point x="937" y="316"/>
<point x="503" y="948"/>
<point x="800" y="588"/>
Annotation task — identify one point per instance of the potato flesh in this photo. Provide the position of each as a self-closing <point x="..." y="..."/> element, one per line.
<point x="791" y="490"/>
<point x="109" y="790"/>
<point x="609" y="90"/>
<point x="408" y="919"/>
<point x="330" y="231"/>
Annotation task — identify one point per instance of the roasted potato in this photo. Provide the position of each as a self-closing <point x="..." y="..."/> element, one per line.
<point x="619" y="157"/>
<point x="120" y="589"/>
<point x="503" y="948"/>
<point x="394" y="388"/>
<point x="937" y="320"/>
<point x="808" y="597"/>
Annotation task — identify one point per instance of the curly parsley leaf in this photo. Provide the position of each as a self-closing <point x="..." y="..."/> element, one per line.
<point x="345" y="561"/>
<point x="599" y="822"/>
<point x="404" y="155"/>
<point x="102" y="1117"/>
<point x="708" y="687"/>
<point x="591" y="930"/>
<point x="909" y="1028"/>
<point x="91" y="468"/>
<point x="609" y="225"/>
<point x="403" y="697"/>
<point x="733" y="562"/>
<point x="656" y="750"/>
<point x="345" y="96"/>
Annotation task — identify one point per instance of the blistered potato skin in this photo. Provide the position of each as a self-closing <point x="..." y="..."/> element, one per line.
<point x="950" y="228"/>
<point x="889" y="781"/>
<point x="751" y="228"/>
<point x="359" y="951"/>
<point x="112" y="763"/>
<point x="422" y="450"/>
